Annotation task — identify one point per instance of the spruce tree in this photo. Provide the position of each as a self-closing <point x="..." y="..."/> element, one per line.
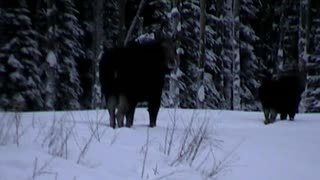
<point x="65" y="34"/>
<point x="248" y="59"/>
<point x="227" y="53"/>
<point x="212" y="81"/>
<point x="312" y="101"/>
<point x="190" y="13"/>
<point x="21" y="87"/>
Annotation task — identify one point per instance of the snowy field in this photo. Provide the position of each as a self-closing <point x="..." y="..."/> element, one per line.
<point x="186" y="145"/>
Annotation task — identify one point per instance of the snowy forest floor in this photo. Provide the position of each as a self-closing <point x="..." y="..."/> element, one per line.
<point x="186" y="145"/>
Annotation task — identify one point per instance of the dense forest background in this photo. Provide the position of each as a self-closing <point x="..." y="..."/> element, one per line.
<point x="49" y="49"/>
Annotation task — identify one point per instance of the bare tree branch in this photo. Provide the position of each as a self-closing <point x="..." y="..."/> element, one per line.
<point x="134" y="22"/>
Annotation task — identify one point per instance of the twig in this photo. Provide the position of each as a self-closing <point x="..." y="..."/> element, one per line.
<point x="222" y="164"/>
<point x="169" y="174"/>
<point x="192" y="142"/>
<point x="202" y="136"/>
<point x="95" y="126"/>
<point x="134" y="22"/>
<point x="17" y="118"/>
<point x="41" y="170"/>
<point x="35" y="167"/>
<point x="85" y="148"/>
<point x="58" y="136"/>
<point x="5" y="129"/>
<point x="166" y="139"/>
<point x="145" y="154"/>
<point x="172" y="132"/>
<point x="114" y="138"/>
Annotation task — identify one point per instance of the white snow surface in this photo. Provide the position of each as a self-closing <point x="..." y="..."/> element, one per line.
<point x="51" y="59"/>
<point x="201" y="93"/>
<point x="49" y="146"/>
<point x="174" y="13"/>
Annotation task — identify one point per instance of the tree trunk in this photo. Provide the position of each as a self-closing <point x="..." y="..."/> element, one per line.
<point x="228" y="54"/>
<point x="50" y="84"/>
<point x="133" y="24"/>
<point x="303" y="39"/>
<point x="202" y="57"/>
<point x="236" y="61"/>
<point x="122" y="18"/>
<point x="97" y="50"/>
<point x="303" y="34"/>
<point x="220" y="31"/>
<point x="174" y="90"/>
<point x="282" y="28"/>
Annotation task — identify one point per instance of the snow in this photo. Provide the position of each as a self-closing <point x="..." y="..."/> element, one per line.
<point x="145" y="37"/>
<point x="180" y="51"/>
<point x="24" y="18"/>
<point x="179" y="27"/>
<point x="280" y="52"/>
<point x="174" y="13"/>
<point x="201" y="93"/>
<point x="79" y="145"/>
<point x="16" y="76"/>
<point x="13" y="62"/>
<point x="51" y="59"/>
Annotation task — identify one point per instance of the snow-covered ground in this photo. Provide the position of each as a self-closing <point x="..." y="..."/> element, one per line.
<point x="186" y="145"/>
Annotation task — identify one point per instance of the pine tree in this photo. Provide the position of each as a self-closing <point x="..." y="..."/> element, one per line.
<point x="228" y="53"/>
<point x="291" y="35"/>
<point x="98" y="38"/>
<point x="213" y="97"/>
<point x="85" y="64"/>
<point x="213" y="77"/>
<point x="312" y="101"/>
<point x="303" y="41"/>
<point x="64" y="34"/>
<point x="168" y="16"/>
<point x="236" y="97"/>
<point x="189" y="51"/>
<point x="100" y="22"/>
<point x="190" y="13"/>
<point x="21" y="87"/>
<point x="248" y="59"/>
<point x="202" y="56"/>
<point x="111" y="22"/>
<point x="267" y="27"/>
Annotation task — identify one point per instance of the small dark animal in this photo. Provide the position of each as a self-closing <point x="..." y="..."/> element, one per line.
<point x="133" y="74"/>
<point x="281" y="94"/>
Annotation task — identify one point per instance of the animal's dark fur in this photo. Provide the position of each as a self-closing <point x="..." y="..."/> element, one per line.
<point x="133" y="74"/>
<point x="282" y="95"/>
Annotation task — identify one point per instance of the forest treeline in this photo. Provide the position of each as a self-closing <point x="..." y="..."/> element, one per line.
<point x="50" y="49"/>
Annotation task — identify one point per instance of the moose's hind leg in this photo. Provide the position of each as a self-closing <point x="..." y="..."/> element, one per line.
<point x="122" y="110"/>
<point x="111" y="106"/>
<point x="266" y="112"/>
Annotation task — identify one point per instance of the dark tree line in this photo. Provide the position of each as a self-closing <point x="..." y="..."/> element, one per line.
<point x="49" y="50"/>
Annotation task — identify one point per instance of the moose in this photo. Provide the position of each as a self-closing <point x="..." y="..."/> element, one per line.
<point x="281" y="94"/>
<point x="135" y="73"/>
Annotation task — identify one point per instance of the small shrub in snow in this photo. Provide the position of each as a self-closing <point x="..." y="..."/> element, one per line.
<point x="195" y="146"/>
<point x="6" y="127"/>
<point x="95" y="124"/>
<point x="146" y="150"/>
<point x="58" y="136"/>
<point x="11" y="129"/>
<point x="193" y="141"/>
<point x="170" y="133"/>
<point x="41" y="170"/>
